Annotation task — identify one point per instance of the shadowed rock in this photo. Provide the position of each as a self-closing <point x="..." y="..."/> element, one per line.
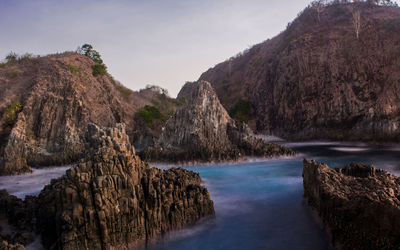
<point x="359" y="204"/>
<point x="112" y="199"/>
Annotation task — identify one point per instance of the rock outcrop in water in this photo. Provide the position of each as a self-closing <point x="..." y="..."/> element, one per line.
<point x="114" y="200"/>
<point x="359" y="204"/>
<point x="202" y="130"/>
<point x="317" y="80"/>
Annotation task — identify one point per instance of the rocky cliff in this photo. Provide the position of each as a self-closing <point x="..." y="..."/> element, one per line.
<point x="202" y="130"/>
<point x="46" y="105"/>
<point x="114" y="200"/>
<point x="320" y="80"/>
<point x="359" y="204"/>
<point x="47" y="102"/>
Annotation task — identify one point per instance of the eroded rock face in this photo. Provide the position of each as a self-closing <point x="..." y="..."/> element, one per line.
<point x="202" y="130"/>
<point x="316" y="80"/>
<point x="57" y="97"/>
<point x="359" y="204"/>
<point x="113" y="199"/>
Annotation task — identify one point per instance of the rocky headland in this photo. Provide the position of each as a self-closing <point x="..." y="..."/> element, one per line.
<point x="202" y="130"/>
<point x="359" y="204"/>
<point x="47" y="102"/>
<point x="318" y="79"/>
<point x="110" y="200"/>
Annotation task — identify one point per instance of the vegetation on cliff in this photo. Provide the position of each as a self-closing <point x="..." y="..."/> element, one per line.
<point x="10" y="114"/>
<point x="242" y="111"/>
<point x="148" y="115"/>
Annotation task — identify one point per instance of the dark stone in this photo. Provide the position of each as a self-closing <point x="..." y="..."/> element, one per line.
<point x="359" y="205"/>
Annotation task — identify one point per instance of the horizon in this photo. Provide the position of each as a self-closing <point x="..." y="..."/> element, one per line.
<point x="145" y="42"/>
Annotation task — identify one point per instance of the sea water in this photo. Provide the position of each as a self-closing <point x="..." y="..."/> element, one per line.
<point x="258" y="203"/>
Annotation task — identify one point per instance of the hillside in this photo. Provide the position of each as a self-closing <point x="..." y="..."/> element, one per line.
<point x="201" y="130"/>
<point x="320" y="80"/>
<point x="47" y="102"/>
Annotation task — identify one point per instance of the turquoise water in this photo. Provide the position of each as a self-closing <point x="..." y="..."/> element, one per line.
<point x="259" y="204"/>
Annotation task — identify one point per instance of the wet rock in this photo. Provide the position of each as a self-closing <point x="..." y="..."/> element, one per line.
<point x="113" y="199"/>
<point x="17" y="219"/>
<point x="4" y="245"/>
<point x="359" y="204"/>
<point x="202" y="130"/>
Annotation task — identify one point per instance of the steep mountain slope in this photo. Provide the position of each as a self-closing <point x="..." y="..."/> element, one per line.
<point x="317" y="79"/>
<point x="46" y="104"/>
<point x="202" y="130"/>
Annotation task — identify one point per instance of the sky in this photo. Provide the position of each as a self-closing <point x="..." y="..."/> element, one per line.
<point x="158" y="42"/>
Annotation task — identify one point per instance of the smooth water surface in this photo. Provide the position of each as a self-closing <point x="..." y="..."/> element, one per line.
<point x="30" y="184"/>
<point x="259" y="205"/>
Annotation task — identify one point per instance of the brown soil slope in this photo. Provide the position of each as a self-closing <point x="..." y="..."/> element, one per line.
<point x="317" y="80"/>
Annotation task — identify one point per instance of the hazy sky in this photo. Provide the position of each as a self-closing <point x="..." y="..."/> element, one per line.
<point x="162" y="42"/>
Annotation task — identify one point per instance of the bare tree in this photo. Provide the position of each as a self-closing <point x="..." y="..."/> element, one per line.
<point x="357" y="22"/>
<point x="319" y="6"/>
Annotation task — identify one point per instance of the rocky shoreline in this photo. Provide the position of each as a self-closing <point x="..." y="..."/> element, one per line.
<point x="110" y="200"/>
<point x="358" y="204"/>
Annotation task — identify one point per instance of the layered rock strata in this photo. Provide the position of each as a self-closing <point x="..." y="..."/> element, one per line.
<point x="202" y="130"/>
<point x="318" y="80"/>
<point x="114" y="200"/>
<point x="46" y="105"/>
<point x="359" y="204"/>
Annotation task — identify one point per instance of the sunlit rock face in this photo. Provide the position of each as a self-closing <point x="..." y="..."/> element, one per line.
<point x="359" y="204"/>
<point x="202" y="130"/>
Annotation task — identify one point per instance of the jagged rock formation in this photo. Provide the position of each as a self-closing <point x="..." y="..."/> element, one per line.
<point x="113" y="199"/>
<point x="316" y="80"/>
<point x="359" y="204"/>
<point x="202" y="130"/>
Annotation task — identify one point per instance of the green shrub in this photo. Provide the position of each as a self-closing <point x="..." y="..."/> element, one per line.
<point x="11" y="57"/>
<point x="74" y="69"/>
<point x="242" y="111"/>
<point x="25" y="56"/>
<point x="149" y="114"/>
<point x="10" y="114"/>
<point x="125" y="92"/>
<point x="13" y="72"/>
<point x="88" y="51"/>
<point x="99" y="69"/>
